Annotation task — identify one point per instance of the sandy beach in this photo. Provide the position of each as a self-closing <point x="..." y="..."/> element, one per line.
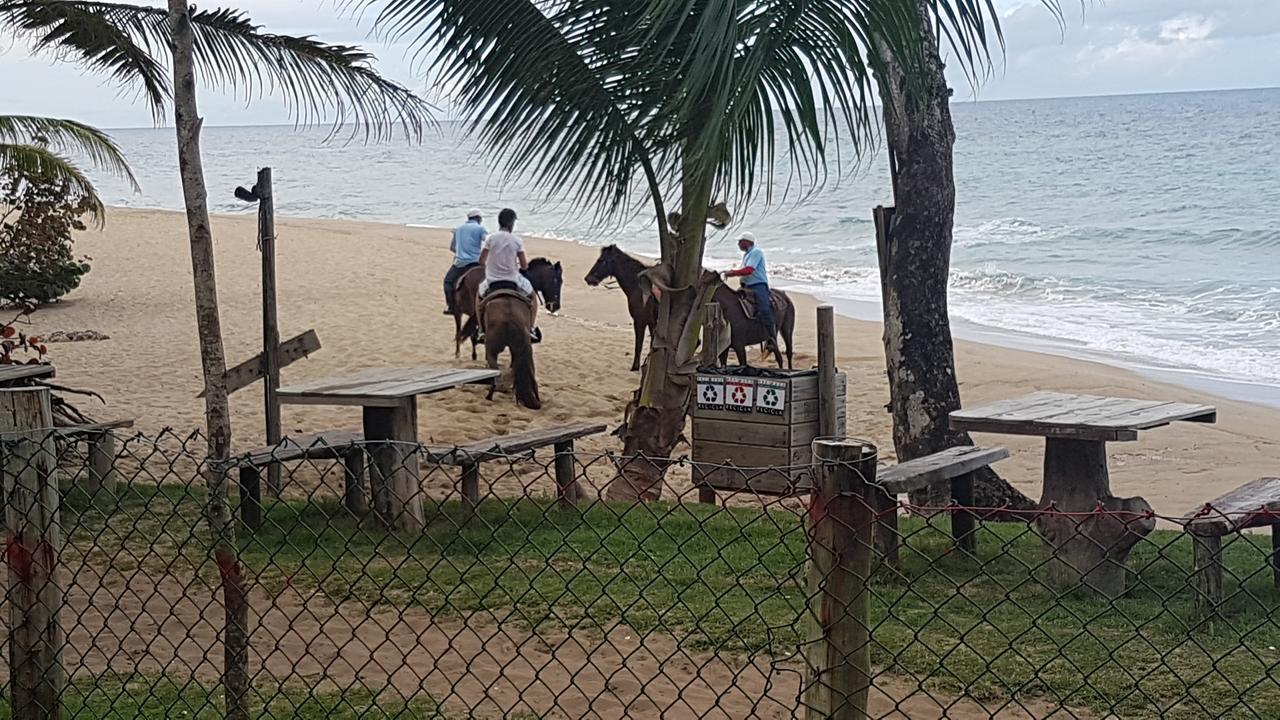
<point x="372" y="293"/>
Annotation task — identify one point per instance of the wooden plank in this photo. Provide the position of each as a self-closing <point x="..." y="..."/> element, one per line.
<point x="290" y="351"/>
<point x="767" y="482"/>
<point x="1048" y="431"/>
<point x="327" y="444"/>
<point x="939" y="467"/>
<point x="747" y="456"/>
<point x="10" y="374"/>
<point x="1162" y="415"/>
<point x="1062" y="412"/>
<point x="382" y="387"/>
<point x="69" y="431"/>
<point x="513" y="444"/>
<point x="1015" y="404"/>
<point x="1254" y="504"/>
<point x="37" y="678"/>
<point x="746" y="433"/>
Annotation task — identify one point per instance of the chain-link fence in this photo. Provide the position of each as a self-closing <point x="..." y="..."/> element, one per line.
<point x="171" y="594"/>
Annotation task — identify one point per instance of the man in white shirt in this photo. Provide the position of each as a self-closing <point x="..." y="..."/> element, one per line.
<point x="503" y="258"/>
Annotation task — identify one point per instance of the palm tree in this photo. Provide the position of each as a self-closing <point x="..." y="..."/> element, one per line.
<point x="316" y="81"/>
<point x="694" y="98"/>
<point x="38" y="147"/>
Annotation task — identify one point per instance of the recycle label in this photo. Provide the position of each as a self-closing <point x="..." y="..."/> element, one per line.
<point x="739" y="395"/>
<point x="710" y="393"/>
<point x="771" y="397"/>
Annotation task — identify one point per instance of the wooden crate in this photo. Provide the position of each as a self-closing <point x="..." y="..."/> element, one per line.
<point x="748" y="426"/>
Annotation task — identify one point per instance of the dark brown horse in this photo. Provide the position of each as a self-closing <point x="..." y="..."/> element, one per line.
<point x="508" y="320"/>
<point x="744" y="331"/>
<point x="546" y="277"/>
<point x="614" y="263"/>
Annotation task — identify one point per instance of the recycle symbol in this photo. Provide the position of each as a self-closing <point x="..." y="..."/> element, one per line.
<point x="739" y="394"/>
<point x="770" y="397"/>
<point x="708" y="393"/>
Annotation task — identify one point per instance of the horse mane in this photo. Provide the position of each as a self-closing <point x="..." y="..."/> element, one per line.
<point x="540" y="261"/>
<point x="627" y="259"/>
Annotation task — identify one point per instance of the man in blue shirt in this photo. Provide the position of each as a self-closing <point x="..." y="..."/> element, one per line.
<point x="755" y="277"/>
<point x="467" y="239"/>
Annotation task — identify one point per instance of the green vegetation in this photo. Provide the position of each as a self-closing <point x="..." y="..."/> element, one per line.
<point x="731" y="581"/>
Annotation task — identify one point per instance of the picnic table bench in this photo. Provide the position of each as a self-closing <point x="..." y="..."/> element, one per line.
<point x="101" y="440"/>
<point x="1084" y="545"/>
<point x="1254" y="504"/>
<point x="954" y="465"/>
<point x="470" y="455"/>
<point x="350" y="448"/>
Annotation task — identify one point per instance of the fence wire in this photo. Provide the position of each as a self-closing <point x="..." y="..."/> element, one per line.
<point x="520" y="591"/>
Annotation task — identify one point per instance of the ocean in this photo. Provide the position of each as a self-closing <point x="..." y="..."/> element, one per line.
<point x="1139" y="230"/>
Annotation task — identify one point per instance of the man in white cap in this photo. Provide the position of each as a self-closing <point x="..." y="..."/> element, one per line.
<point x="756" y="279"/>
<point x="467" y="239"/>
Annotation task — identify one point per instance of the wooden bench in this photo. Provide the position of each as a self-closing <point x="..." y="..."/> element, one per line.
<point x="1254" y="504"/>
<point x="101" y="439"/>
<point x="344" y="445"/>
<point x="470" y="455"/>
<point x="954" y="465"/>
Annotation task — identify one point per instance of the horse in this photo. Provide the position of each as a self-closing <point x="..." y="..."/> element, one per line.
<point x="614" y="263"/>
<point x="744" y="331"/>
<point x="547" y="279"/>
<point x="508" y="320"/>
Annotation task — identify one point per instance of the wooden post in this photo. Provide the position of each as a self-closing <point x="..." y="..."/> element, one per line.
<point x="102" y="458"/>
<point x="841" y="517"/>
<point x="712" y="329"/>
<point x="353" y="463"/>
<point x="471" y="486"/>
<point x="394" y="478"/>
<point x="35" y="599"/>
<point x="250" y="497"/>
<point x="270" y="323"/>
<point x="1208" y="572"/>
<point x="1275" y="555"/>
<point x="963" y="522"/>
<point x="827" y="409"/>
<point x="567" y="490"/>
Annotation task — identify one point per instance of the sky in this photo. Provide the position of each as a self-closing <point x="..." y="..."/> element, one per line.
<point x="1102" y="47"/>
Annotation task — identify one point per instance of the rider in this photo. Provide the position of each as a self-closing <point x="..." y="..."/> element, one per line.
<point x="503" y="258"/>
<point x="467" y="239"/>
<point x="756" y="279"/>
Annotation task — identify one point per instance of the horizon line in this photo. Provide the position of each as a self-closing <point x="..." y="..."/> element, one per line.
<point x="954" y="101"/>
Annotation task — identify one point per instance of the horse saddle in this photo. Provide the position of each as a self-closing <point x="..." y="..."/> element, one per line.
<point x="505" y="288"/>
<point x="747" y="299"/>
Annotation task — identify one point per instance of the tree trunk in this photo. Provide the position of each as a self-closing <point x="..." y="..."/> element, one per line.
<point x="915" y="265"/>
<point x="655" y="417"/>
<point x="213" y="362"/>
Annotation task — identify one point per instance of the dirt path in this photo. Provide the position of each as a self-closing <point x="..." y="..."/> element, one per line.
<point x="168" y="627"/>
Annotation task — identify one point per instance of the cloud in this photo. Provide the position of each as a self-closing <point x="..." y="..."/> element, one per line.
<point x="1162" y="48"/>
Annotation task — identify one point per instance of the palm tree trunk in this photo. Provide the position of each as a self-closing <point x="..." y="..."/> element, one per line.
<point x="655" y="417"/>
<point x="916" y="264"/>
<point x="213" y="363"/>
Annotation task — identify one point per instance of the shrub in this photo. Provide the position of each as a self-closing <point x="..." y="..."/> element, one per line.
<point x="37" y="218"/>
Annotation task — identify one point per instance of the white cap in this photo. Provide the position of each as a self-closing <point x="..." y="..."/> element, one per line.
<point x="748" y="237"/>
<point x="473" y="213"/>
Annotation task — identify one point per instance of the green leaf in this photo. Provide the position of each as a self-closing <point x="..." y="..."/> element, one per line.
<point x="40" y="161"/>
<point x="67" y="136"/>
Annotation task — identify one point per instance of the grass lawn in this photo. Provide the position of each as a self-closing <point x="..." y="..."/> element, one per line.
<point x="732" y="581"/>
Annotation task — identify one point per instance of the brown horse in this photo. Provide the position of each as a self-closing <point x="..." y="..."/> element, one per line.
<point x="546" y="277"/>
<point x="614" y="263"/>
<point x="744" y="331"/>
<point x="508" y="320"/>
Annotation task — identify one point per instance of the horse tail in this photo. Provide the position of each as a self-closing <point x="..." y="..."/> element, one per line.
<point x="522" y="369"/>
<point x="468" y="330"/>
<point x="788" y="327"/>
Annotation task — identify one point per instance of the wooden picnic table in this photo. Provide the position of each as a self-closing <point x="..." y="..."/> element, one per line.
<point x="1083" y="545"/>
<point x="388" y="398"/>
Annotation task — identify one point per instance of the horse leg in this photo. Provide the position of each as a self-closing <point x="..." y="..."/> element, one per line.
<point x="638" y="327"/>
<point x="741" y="351"/>
<point x="457" y="333"/>
<point x="788" y="328"/>
<point x="491" y="351"/>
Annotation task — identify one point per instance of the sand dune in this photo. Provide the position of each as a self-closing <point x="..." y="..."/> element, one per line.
<point x="372" y="292"/>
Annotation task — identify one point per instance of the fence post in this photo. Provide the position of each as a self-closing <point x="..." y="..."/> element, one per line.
<point x="712" y="331"/>
<point x="32" y="544"/>
<point x="841" y="520"/>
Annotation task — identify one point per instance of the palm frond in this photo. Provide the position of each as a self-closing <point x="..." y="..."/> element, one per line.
<point x="68" y="136"/>
<point x="39" y="161"/>
<point x="317" y="81"/>
<point x="552" y="85"/>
